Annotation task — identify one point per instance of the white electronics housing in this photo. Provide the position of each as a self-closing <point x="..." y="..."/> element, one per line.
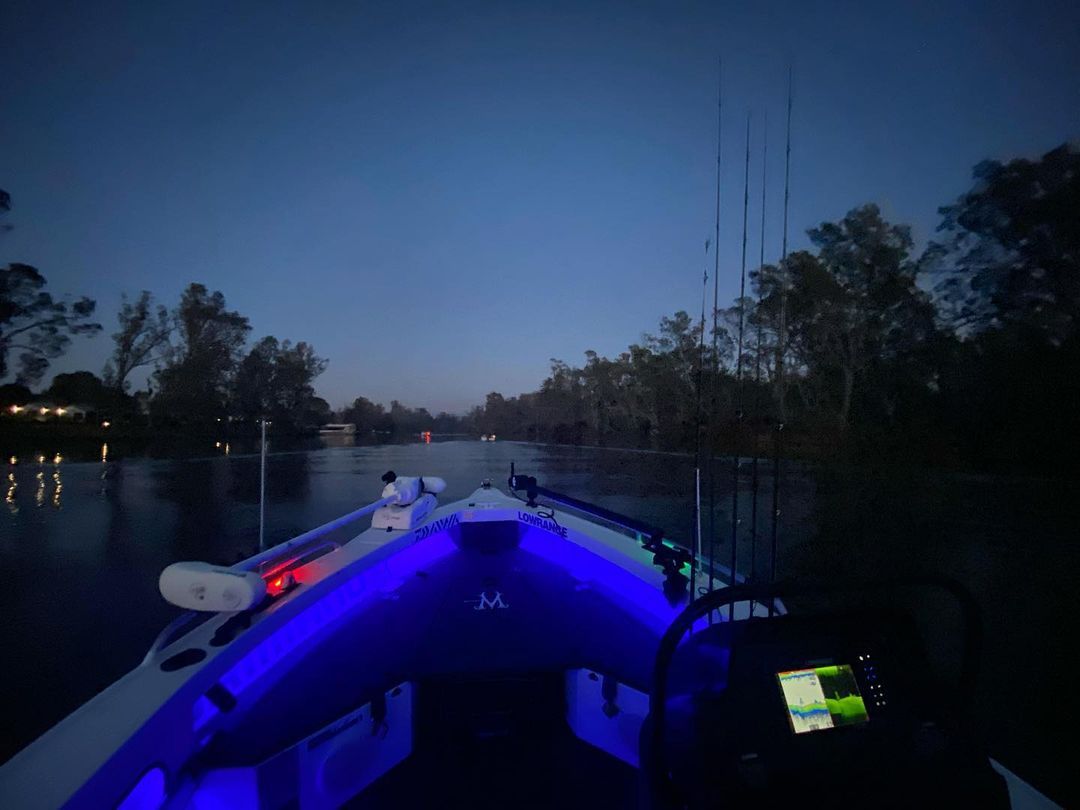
<point x="211" y="588"/>
<point x="415" y="500"/>
<point x="403" y="518"/>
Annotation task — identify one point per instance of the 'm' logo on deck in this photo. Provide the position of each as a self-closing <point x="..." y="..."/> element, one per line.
<point x="486" y="603"/>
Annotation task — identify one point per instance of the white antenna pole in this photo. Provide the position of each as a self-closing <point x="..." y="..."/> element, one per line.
<point x="262" y="488"/>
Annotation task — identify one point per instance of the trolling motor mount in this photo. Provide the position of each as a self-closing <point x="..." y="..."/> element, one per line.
<point x="527" y="483"/>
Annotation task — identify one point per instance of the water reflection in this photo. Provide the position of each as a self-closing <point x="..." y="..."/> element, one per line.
<point x="41" y="494"/>
<point x="58" y="487"/>
<point x="9" y="499"/>
<point x="197" y="488"/>
<point x="338" y="440"/>
<point x="104" y="477"/>
<point x="288" y="478"/>
<point x="213" y="495"/>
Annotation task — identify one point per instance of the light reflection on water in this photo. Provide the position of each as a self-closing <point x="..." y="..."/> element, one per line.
<point x="9" y="499"/>
<point x="58" y="486"/>
<point x="47" y="489"/>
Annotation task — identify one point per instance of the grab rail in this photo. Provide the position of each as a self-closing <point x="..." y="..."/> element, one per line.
<point x="668" y="557"/>
<point x="172" y="631"/>
<point x="532" y="489"/>
<point x="252" y="563"/>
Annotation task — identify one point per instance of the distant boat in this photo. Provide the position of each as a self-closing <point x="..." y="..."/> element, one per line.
<point x="327" y="430"/>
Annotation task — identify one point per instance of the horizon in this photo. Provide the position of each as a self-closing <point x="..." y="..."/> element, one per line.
<point x="320" y="168"/>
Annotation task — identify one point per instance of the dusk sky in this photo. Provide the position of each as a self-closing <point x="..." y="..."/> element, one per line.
<point x="441" y="198"/>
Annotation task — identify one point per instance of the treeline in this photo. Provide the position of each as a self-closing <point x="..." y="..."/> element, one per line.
<point x="205" y="372"/>
<point x="372" y="418"/>
<point x="966" y="353"/>
<point x="963" y="353"/>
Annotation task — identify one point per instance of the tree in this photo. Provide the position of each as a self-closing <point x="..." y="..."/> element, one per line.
<point x="295" y="368"/>
<point x="448" y="423"/>
<point x="274" y="381"/>
<point x="405" y="420"/>
<point x="855" y="316"/>
<point x="5" y="206"/>
<point x="80" y="388"/>
<point x="666" y="368"/>
<point x="14" y="394"/>
<point x="1008" y="279"/>
<point x="35" y="325"/>
<point x="194" y="384"/>
<point x="1011" y="254"/>
<point x="368" y="416"/>
<point x="253" y="397"/>
<point x="318" y="412"/>
<point x="143" y="337"/>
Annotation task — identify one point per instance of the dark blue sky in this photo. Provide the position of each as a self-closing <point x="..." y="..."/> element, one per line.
<point x="441" y="198"/>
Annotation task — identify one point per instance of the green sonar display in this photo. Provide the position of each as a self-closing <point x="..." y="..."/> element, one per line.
<point x="822" y="697"/>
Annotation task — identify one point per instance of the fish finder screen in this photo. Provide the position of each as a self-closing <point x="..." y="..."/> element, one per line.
<point x="822" y="697"/>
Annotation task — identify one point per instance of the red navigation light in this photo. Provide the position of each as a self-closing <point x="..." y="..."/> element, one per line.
<point x="280" y="583"/>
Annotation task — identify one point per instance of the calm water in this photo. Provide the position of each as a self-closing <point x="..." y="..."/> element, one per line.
<point x="82" y="544"/>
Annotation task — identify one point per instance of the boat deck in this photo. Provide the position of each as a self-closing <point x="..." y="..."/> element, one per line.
<point x="498" y="744"/>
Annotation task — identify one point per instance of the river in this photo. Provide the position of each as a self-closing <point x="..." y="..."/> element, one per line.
<point x="82" y="543"/>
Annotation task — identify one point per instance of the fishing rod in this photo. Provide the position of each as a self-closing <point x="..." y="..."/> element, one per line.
<point x="757" y="360"/>
<point x="739" y="375"/>
<point x="715" y="308"/>
<point x="696" y="552"/>
<point x="780" y="347"/>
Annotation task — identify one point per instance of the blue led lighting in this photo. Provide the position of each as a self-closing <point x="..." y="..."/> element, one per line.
<point x="638" y="597"/>
<point x="148" y="793"/>
<point x="635" y="595"/>
<point x="384" y="577"/>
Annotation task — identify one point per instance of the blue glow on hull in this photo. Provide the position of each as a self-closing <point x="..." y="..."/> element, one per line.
<point x="384" y="577"/>
<point x="633" y="594"/>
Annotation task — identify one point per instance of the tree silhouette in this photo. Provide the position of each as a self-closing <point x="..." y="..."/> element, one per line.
<point x="35" y="325"/>
<point x="142" y="339"/>
<point x="195" y="382"/>
<point x="1010" y="258"/>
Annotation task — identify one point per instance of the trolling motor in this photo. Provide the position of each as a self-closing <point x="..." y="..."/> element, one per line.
<point x="670" y="559"/>
<point x="413" y="500"/>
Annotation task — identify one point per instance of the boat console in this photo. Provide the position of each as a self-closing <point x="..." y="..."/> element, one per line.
<point x="822" y="706"/>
